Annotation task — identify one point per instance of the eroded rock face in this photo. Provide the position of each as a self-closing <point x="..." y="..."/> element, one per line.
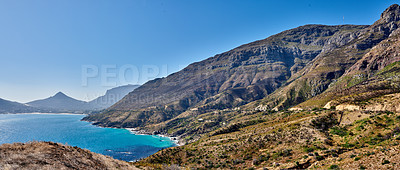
<point x="375" y="74"/>
<point x="379" y="57"/>
<point x="391" y="14"/>
<point x="365" y="49"/>
<point x="384" y="103"/>
<point x="389" y="102"/>
<point x="349" y="107"/>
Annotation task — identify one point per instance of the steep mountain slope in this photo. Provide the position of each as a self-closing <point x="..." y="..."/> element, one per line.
<point x="244" y="74"/>
<point x="60" y="103"/>
<point x="328" y="67"/>
<point x="376" y="74"/>
<point x="111" y="97"/>
<point x="49" y="155"/>
<point x="15" y="107"/>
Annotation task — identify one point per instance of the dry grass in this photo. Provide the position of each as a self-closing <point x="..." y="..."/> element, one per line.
<point x="319" y="139"/>
<point x="50" y="155"/>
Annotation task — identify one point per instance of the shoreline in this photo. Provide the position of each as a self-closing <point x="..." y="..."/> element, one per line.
<point x="174" y="139"/>
<point x="160" y="143"/>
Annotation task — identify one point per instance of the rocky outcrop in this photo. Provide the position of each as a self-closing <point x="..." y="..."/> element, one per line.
<point x="389" y="102"/>
<point x="49" y="155"/>
<point x="385" y="103"/>
<point x="378" y="57"/>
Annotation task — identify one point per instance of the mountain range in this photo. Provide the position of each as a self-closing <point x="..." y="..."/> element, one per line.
<point x="61" y="103"/>
<point x="275" y="73"/>
<point x="332" y="89"/>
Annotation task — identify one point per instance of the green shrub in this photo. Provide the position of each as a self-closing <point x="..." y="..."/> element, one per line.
<point x="348" y="145"/>
<point x="370" y="153"/>
<point x="359" y="128"/>
<point x="339" y="131"/>
<point x="307" y="150"/>
<point x="334" y="167"/>
<point x="319" y="158"/>
<point x="325" y="122"/>
<point x="385" y="162"/>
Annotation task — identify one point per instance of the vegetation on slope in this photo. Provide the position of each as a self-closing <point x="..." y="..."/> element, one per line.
<point x="307" y="139"/>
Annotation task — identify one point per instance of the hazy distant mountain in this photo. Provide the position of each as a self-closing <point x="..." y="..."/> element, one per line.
<point x="60" y="103"/>
<point x="15" y="107"/>
<point x="63" y="103"/>
<point x="112" y="96"/>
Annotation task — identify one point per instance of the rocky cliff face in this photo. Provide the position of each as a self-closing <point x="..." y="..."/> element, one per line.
<point x="378" y="57"/>
<point x="374" y="75"/>
<point x="328" y="67"/>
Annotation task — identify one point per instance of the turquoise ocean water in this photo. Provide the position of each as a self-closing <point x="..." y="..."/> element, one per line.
<point x="68" y="129"/>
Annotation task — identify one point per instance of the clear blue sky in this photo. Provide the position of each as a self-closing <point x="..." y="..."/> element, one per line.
<point x="44" y="44"/>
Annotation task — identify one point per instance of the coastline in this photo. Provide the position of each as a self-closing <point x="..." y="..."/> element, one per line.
<point x="174" y="139"/>
<point x="121" y="150"/>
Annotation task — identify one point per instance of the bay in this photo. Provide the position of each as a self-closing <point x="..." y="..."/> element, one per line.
<point x="68" y="129"/>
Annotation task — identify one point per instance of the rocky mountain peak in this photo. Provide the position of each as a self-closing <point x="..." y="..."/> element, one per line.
<point x="389" y="21"/>
<point x="391" y="14"/>
<point x="60" y="94"/>
<point x="60" y="103"/>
